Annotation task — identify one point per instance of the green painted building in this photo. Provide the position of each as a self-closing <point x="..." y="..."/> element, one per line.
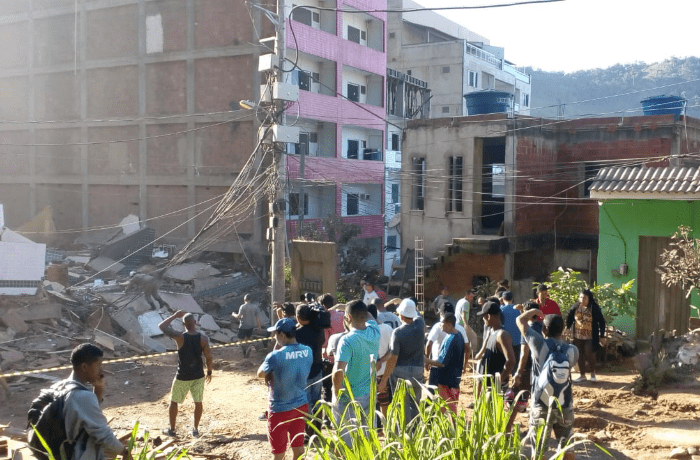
<point x="639" y="209"/>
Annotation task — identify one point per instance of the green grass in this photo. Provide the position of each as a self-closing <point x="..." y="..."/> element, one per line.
<point x="432" y="435"/>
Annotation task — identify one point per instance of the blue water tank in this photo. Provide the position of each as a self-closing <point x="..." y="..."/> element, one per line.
<point x="663" y="105"/>
<point x="488" y="101"/>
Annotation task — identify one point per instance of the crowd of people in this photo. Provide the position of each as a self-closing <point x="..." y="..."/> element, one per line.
<point x="330" y="351"/>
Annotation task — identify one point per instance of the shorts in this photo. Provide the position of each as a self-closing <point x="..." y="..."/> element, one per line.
<point x="561" y="421"/>
<point x="384" y="397"/>
<point x="450" y="395"/>
<point x="286" y="427"/>
<point x="245" y="333"/>
<point x="180" y="389"/>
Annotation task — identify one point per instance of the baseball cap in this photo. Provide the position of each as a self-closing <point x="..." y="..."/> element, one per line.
<point x="285" y="325"/>
<point x="407" y="308"/>
<point x="489" y="308"/>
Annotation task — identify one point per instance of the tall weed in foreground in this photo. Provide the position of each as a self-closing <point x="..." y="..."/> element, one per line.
<point x="145" y="452"/>
<point x="435" y="434"/>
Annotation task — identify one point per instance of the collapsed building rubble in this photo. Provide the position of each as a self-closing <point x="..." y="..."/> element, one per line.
<point x="84" y="295"/>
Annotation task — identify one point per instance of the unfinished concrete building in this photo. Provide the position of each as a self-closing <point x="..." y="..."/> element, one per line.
<point x="118" y="107"/>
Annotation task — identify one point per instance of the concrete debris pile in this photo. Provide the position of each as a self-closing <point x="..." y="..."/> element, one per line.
<point x="618" y="343"/>
<point x="87" y="295"/>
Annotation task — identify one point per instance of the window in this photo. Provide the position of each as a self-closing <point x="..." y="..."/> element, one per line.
<point x="498" y="180"/>
<point x="394" y="193"/>
<point x="488" y="81"/>
<point x="391" y="244"/>
<point x="454" y="190"/>
<point x="418" y="200"/>
<point x="526" y="100"/>
<point x="446" y="69"/>
<point x="317" y="17"/>
<point x="395" y="142"/>
<point x="296" y="149"/>
<point x="408" y="72"/>
<point x="353" y="208"/>
<point x="363" y="89"/>
<point x="302" y="15"/>
<point x="397" y="208"/>
<point x="354" y="92"/>
<point x="353" y="149"/>
<point x="363" y="35"/>
<point x="353" y="34"/>
<point x="313" y="138"/>
<point x="445" y="109"/>
<point x="473" y="79"/>
<point x="392" y="34"/>
<point x="304" y="81"/>
<point x="294" y="205"/>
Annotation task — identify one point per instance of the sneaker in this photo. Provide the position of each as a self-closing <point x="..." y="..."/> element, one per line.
<point x="195" y="433"/>
<point x="593" y="379"/>
<point x="580" y="379"/>
<point x="263" y="416"/>
<point x="169" y="432"/>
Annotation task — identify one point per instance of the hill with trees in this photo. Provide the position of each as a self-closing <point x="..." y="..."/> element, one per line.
<point x="616" y="90"/>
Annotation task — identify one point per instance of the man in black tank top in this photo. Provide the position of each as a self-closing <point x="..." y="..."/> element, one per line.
<point x="190" y="376"/>
<point x="496" y="355"/>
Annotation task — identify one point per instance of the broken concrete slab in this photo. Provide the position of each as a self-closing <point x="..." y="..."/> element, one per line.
<point x="7" y="335"/>
<point x="187" y="272"/>
<point x="149" y="322"/>
<point x="145" y="342"/>
<point x="184" y="302"/>
<point x="220" y="337"/>
<point x="100" y="319"/>
<point x="10" y="356"/>
<point x="207" y="322"/>
<point x="134" y="301"/>
<point x="23" y="262"/>
<point x="132" y="250"/>
<point x="106" y="265"/>
<point x="130" y="224"/>
<point x="13" y="320"/>
<point x="53" y="286"/>
<point x="224" y="285"/>
<point x="38" y="312"/>
<point x="104" y="340"/>
<point x="82" y="260"/>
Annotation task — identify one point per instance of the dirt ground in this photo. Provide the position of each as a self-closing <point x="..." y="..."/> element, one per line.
<point x="630" y="427"/>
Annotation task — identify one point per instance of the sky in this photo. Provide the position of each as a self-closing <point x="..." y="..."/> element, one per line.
<point x="584" y="34"/>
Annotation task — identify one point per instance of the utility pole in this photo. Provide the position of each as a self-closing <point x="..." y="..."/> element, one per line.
<point x="278" y="224"/>
<point x="302" y="187"/>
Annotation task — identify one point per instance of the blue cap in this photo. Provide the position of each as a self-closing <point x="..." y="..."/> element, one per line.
<point x="285" y="325"/>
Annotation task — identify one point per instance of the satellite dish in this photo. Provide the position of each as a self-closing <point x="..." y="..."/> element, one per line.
<point x="395" y="221"/>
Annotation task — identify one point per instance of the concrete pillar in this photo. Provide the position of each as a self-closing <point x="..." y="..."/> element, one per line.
<point x="143" y="154"/>
<point x="191" y="135"/>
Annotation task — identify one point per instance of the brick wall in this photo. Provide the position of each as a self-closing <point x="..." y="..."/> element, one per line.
<point x="457" y="273"/>
<point x="535" y="161"/>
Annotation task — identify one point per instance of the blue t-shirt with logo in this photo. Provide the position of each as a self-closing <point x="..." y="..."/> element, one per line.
<point x="290" y="366"/>
<point x="355" y="349"/>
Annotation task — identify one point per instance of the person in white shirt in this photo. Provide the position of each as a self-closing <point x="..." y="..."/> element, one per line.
<point x="383" y="398"/>
<point x="462" y="313"/>
<point x="384" y="316"/>
<point x="434" y="341"/>
<point x="370" y="293"/>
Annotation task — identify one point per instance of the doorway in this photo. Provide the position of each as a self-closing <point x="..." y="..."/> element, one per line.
<point x="658" y="306"/>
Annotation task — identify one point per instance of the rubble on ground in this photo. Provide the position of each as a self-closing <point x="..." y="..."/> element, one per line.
<point x="83" y="295"/>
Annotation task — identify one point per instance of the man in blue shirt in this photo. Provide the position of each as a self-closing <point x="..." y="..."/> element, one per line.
<point x="356" y="350"/>
<point x="450" y="362"/>
<point x="285" y="371"/>
<point x="510" y="314"/>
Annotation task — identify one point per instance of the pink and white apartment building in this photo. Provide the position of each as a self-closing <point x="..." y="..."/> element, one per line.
<point x="341" y="59"/>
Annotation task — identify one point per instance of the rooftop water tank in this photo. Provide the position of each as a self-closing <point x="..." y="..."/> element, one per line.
<point x="488" y="101"/>
<point x="664" y="105"/>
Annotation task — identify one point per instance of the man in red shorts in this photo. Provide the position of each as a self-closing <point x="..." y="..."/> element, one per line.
<point x="285" y="371"/>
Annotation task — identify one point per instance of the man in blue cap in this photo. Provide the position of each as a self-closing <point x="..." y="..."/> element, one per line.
<point x="285" y="371"/>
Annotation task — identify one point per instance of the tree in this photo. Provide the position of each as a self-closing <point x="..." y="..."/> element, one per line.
<point x="680" y="265"/>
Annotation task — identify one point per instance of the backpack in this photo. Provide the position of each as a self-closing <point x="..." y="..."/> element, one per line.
<point x="46" y="415"/>
<point x="322" y="316"/>
<point x="554" y="380"/>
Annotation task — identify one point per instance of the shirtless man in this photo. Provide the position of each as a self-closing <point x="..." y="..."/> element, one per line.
<point x="191" y="345"/>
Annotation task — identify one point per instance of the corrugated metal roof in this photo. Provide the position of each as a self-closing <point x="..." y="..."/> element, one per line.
<point x="667" y="180"/>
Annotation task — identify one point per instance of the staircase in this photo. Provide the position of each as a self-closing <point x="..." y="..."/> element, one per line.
<point x="399" y="284"/>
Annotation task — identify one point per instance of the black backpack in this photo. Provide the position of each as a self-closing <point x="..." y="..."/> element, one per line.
<point x="46" y="417"/>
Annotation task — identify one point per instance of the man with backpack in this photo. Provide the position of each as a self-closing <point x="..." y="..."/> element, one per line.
<point x="552" y="401"/>
<point x="69" y="417"/>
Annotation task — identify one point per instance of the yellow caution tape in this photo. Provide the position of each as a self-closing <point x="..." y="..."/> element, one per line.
<point x="122" y="360"/>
